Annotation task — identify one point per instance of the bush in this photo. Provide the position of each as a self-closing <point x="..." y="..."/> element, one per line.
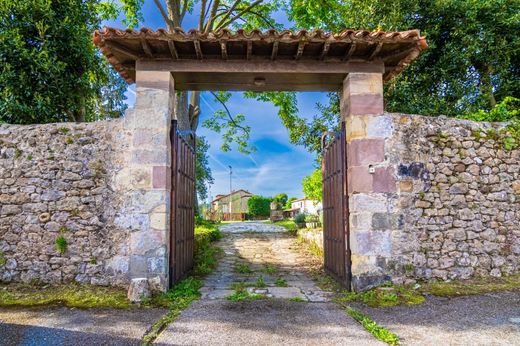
<point x="206" y="254"/>
<point x="259" y="206"/>
<point x="299" y="218"/>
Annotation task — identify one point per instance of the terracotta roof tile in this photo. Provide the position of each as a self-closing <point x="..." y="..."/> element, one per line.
<point x="124" y="47"/>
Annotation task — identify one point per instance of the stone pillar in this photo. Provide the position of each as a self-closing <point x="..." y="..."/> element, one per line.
<point x="147" y="179"/>
<point x="371" y="181"/>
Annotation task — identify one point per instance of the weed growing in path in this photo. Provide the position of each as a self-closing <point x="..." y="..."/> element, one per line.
<point x="242" y="268"/>
<point x="377" y="331"/>
<point x="243" y="294"/>
<point x="269" y="269"/>
<point x="297" y="299"/>
<point x="280" y="282"/>
<point x="260" y="282"/>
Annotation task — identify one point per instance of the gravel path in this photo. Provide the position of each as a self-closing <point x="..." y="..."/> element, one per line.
<point x="251" y="226"/>
<point x="63" y="326"/>
<point x="271" y="256"/>
<point x="270" y="253"/>
<point x="489" y="319"/>
<point x="264" y="322"/>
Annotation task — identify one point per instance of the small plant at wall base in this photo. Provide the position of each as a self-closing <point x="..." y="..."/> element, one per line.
<point x="3" y="261"/>
<point x="61" y="244"/>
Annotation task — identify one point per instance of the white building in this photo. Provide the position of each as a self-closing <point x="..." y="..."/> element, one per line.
<point x="307" y="206"/>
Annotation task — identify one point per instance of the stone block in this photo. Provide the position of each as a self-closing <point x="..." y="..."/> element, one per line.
<point x="150" y="138"/>
<point x="158" y="157"/>
<point x="137" y="266"/>
<point x="132" y="221"/>
<point x="406" y="186"/>
<point x="156" y="264"/>
<point x="162" y="177"/>
<point x="376" y="203"/>
<point x="362" y="152"/>
<point x="363" y="83"/>
<point x="383" y="180"/>
<point x="371" y="243"/>
<point x="138" y="290"/>
<point x="356" y="127"/>
<point x="359" y="179"/>
<point x="159" y="221"/>
<point x="379" y="127"/>
<point x="141" y="242"/>
<point x="366" y="104"/>
<point x="361" y="221"/>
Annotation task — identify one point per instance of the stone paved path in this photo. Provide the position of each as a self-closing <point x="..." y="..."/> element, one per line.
<point x="270" y="256"/>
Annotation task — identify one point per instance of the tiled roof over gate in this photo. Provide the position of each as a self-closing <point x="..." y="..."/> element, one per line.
<point x="124" y="47"/>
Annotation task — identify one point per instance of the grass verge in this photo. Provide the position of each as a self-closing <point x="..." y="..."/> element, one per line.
<point x="70" y="295"/>
<point x="373" y="328"/>
<point x="206" y="254"/>
<point x="176" y="299"/>
<point x="383" y="297"/>
<point x="288" y="224"/>
<point x="473" y="286"/>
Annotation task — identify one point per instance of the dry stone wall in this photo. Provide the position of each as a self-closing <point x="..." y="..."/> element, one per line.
<point x="456" y="213"/>
<point x="56" y="181"/>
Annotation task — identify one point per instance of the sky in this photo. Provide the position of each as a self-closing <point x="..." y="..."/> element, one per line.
<point x="277" y="165"/>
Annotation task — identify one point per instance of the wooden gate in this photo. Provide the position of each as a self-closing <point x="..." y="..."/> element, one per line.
<point x="335" y="206"/>
<point x="182" y="221"/>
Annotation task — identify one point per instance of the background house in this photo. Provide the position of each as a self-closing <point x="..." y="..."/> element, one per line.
<point x="306" y="206"/>
<point x="231" y="207"/>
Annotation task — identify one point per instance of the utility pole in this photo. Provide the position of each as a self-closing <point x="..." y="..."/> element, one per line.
<point x="230" y="189"/>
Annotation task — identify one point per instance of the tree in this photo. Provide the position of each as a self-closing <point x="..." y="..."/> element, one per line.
<point x="288" y="204"/>
<point x="312" y="185"/>
<point x="49" y="68"/>
<point x="259" y="206"/>
<point x="473" y="57"/>
<point x="280" y="198"/>
<point x="202" y="170"/>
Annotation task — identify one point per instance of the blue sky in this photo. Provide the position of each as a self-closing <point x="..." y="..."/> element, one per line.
<point x="277" y="165"/>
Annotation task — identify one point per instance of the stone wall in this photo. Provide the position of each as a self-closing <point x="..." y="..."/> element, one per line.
<point x="456" y="210"/>
<point x="57" y="180"/>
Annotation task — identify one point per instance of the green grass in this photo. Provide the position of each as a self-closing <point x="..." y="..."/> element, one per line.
<point x="383" y="297"/>
<point x="176" y="299"/>
<point x="473" y="286"/>
<point x="269" y="269"/>
<point x="61" y="244"/>
<point x="242" y="268"/>
<point x="372" y="327"/>
<point x="206" y="254"/>
<point x="311" y="247"/>
<point x="288" y="224"/>
<point x="260" y="282"/>
<point x="297" y="299"/>
<point x="71" y="295"/>
<point x="242" y="294"/>
<point x="280" y="282"/>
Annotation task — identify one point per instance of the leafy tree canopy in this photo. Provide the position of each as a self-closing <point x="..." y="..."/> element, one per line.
<point x="280" y="198"/>
<point x="473" y="57"/>
<point x="202" y="169"/>
<point x="288" y="204"/>
<point x="49" y="68"/>
<point x="312" y="185"/>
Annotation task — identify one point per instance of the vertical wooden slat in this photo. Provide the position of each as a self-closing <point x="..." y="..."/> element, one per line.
<point x="183" y="208"/>
<point x="335" y="209"/>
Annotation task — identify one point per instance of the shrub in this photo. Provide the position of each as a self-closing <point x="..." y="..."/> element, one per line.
<point x="299" y="218"/>
<point x="259" y="206"/>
